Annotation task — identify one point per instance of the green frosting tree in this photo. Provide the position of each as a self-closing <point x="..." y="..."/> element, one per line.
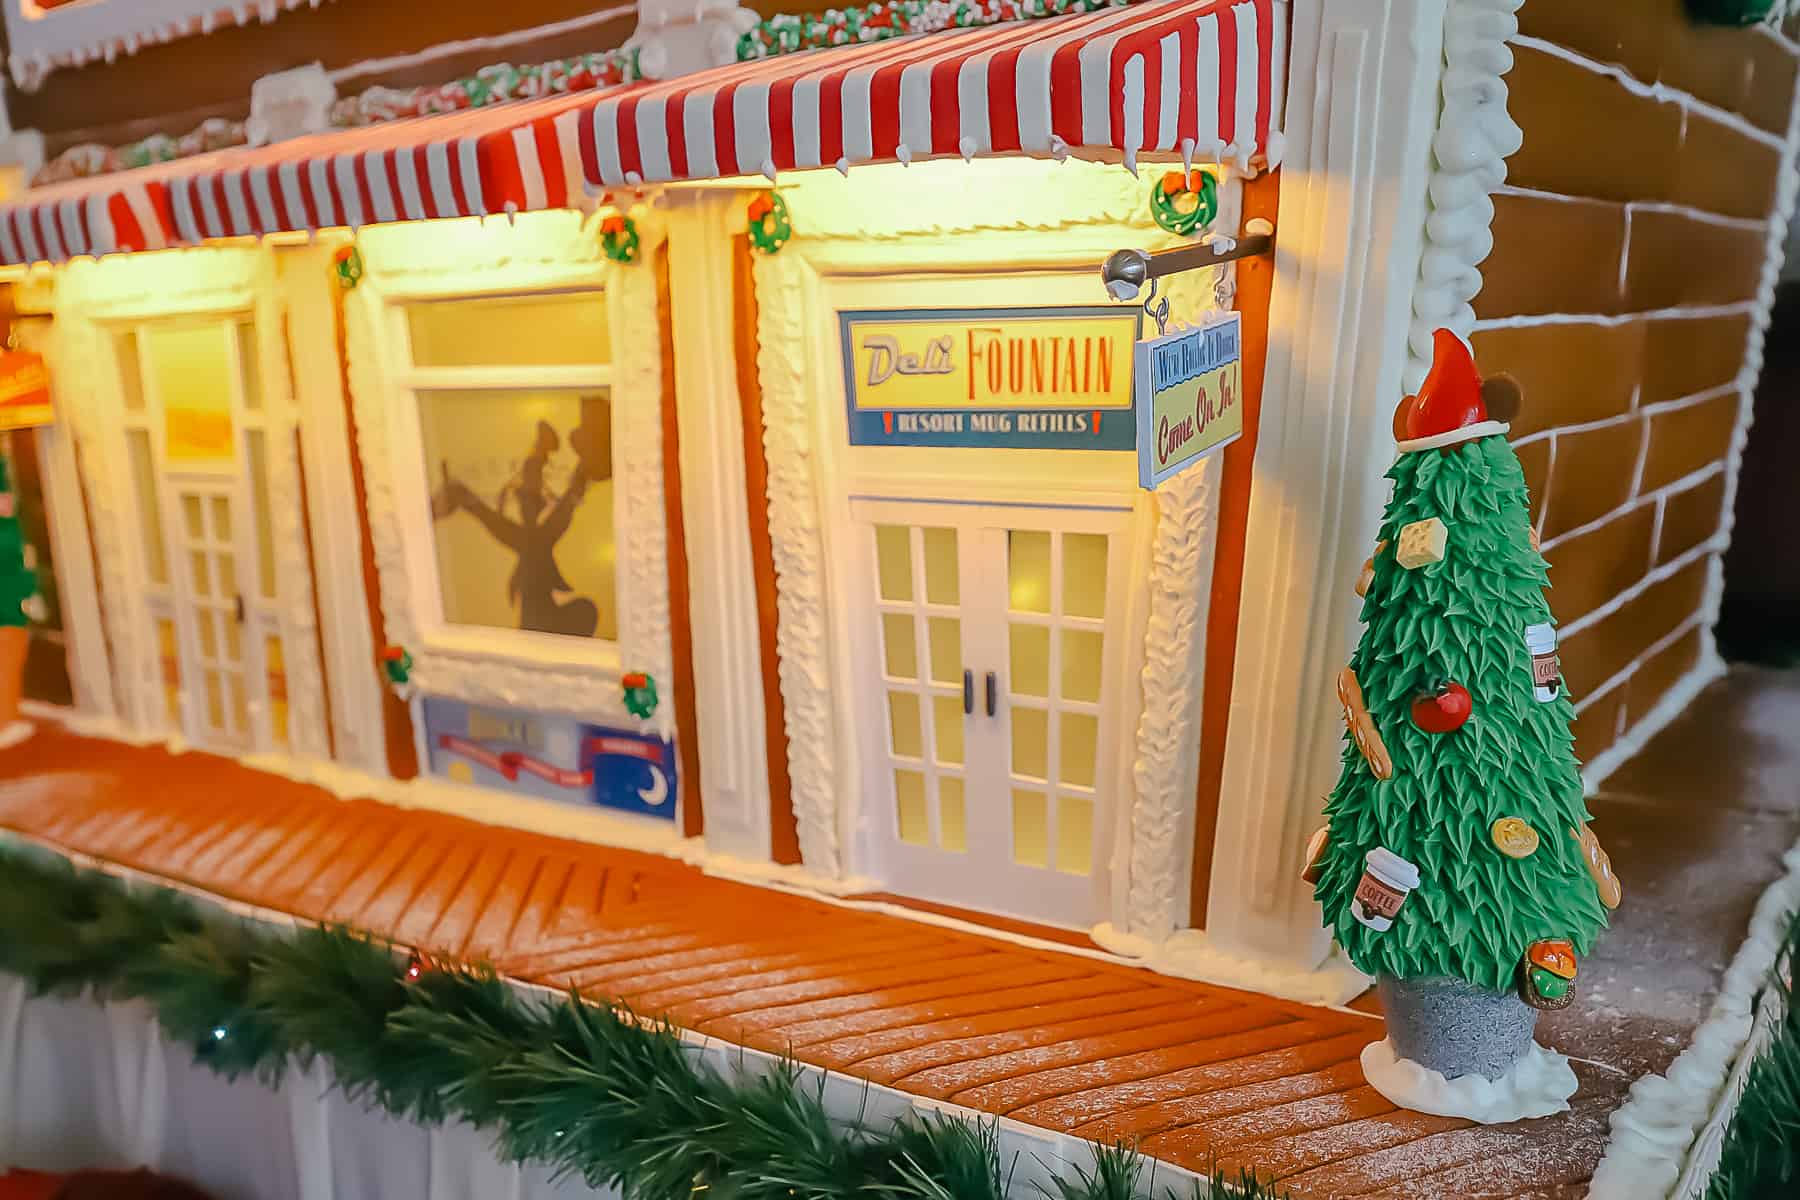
<point x="18" y="583"/>
<point x="1489" y="810"/>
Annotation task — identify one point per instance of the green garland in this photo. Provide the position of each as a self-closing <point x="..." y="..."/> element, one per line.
<point x="589" y="1089"/>
<point x="1761" y="1156"/>
<point x="787" y="33"/>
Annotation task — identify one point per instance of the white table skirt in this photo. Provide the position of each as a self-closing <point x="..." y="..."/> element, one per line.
<point x="90" y="1085"/>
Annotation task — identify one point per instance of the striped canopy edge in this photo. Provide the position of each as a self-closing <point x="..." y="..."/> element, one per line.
<point x="1189" y="79"/>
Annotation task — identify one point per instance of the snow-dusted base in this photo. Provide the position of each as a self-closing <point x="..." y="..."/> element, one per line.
<point x="1654" y="1132"/>
<point x="15" y="733"/>
<point x="1538" y="1085"/>
<point x="1187" y="954"/>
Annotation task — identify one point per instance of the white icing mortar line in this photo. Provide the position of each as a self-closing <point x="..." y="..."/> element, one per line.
<point x="1673" y="702"/>
<point x="1655" y="91"/>
<point x="1712" y="545"/>
<point x="1619" y="677"/>
<point x="1631" y="414"/>
<point x="1746" y="224"/>
<point x="1655" y="1130"/>
<point x="537" y="33"/>
<point x="1736" y="308"/>
<point x="1691" y="480"/>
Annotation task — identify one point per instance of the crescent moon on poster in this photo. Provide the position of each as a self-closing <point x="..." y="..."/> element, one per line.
<point x="658" y="791"/>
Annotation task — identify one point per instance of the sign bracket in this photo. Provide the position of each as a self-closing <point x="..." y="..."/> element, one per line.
<point x="1125" y="272"/>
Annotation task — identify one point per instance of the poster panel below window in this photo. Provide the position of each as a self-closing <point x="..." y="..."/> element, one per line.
<point x="550" y="757"/>
<point x="1190" y="397"/>
<point x="1026" y="378"/>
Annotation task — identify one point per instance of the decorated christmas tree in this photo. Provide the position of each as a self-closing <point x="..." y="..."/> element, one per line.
<point x="1457" y="866"/>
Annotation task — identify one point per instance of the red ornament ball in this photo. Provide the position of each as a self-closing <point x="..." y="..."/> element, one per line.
<point x="1444" y="710"/>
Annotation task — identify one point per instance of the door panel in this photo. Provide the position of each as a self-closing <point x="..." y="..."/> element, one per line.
<point x="989" y="747"/>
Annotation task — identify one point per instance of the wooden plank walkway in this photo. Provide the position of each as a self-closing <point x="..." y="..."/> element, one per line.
<point x="1186" y="1070"/>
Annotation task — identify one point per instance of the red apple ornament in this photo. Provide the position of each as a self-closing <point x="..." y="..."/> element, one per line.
<point x="1442" y="709"/>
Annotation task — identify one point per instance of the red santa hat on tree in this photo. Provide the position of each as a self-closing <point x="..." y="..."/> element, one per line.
<point x="1455" y="404"/>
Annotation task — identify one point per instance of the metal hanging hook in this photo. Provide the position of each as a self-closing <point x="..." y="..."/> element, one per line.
<point x="1157" y="310"/>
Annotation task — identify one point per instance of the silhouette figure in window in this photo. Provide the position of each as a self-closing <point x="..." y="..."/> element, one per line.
<point x="537" y="584"/>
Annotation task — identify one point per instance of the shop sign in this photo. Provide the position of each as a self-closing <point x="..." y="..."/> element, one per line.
<point x="1190" y="397"/>
<point x="24" y="390"/>
<point x="1032" y="378"/>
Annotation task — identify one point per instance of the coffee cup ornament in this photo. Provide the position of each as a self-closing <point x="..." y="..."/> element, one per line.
<point x="1386" y="882"/>
<point x="1546" y="667"/>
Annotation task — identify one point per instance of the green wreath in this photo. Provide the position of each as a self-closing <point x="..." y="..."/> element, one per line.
<point x="349" y="266"/>
<point x="640" y="695"/>
<point x="619" y="238"/>
<point x="770" y="228"/>
<point x="1183" y="203"/>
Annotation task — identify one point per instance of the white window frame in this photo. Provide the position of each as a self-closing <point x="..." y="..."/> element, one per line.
<point x="516" y="669"/>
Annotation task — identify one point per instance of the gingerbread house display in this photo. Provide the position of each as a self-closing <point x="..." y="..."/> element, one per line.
<point x="720" y="440"/>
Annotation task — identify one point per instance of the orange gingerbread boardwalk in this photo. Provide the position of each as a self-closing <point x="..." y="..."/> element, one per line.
<point x="1185" y="1070"/>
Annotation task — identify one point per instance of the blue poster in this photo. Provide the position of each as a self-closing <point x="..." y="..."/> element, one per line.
<point x="551" y="757"/>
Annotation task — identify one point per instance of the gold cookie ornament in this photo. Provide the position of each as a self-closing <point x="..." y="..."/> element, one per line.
<point x="1362" y="725"/>
<point x="1599" y="865"/>
<point x="1514" y="837"/>
<point x="1366" y="579"/>
<point x="1315" y="854"/>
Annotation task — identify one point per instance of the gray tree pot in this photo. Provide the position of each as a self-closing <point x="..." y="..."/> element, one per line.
<point x="1455" y="1027"/>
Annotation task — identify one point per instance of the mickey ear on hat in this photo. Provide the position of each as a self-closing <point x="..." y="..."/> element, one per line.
<point x="1503" y="397"/>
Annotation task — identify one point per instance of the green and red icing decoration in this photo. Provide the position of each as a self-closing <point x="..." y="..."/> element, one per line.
<point x="347" y="263"/>
<point x="790" y="32"/>
<point x="397" y="664"/>
<point x="619" y="237"/>
<point x="640" y="694"/>
<point x="768" y="222"/>
<point x="1185" y="201"/>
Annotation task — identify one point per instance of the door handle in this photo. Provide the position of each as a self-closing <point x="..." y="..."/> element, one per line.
<point x="968" y="692"/>
<point x="993" y="692"/>
<point x="238" y="606"/>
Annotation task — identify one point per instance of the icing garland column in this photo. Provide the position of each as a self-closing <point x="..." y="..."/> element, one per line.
<point x="1474" y="137"/>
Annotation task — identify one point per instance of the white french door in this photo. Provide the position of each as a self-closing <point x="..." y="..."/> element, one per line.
<point x="202" y="442"/>
<point x="993" y="715"/>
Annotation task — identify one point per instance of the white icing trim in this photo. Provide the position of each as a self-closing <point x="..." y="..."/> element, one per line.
<point x="1453" y="437"/>
<point x="535" y="674"/>
<point x="1653" y="1131"/>
<point x="1619" y="678"/>
<point x="1538" y="1085"/>
<point x="1660" y="92"/>
<point x="1475" y="136"/>
<point x="396" y="63"/>
<point x="803" y="630"/>
<point x="1165" y="770"/>
<point x="76" y="34"/>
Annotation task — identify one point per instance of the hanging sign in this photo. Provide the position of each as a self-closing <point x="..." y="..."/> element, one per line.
<point x="1189" y="397"/>
<point x="1033" y="378"/>
<point x="24" y="390"/>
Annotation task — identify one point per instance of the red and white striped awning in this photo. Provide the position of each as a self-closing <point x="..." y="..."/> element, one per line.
<point x="1199" y="79"/>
